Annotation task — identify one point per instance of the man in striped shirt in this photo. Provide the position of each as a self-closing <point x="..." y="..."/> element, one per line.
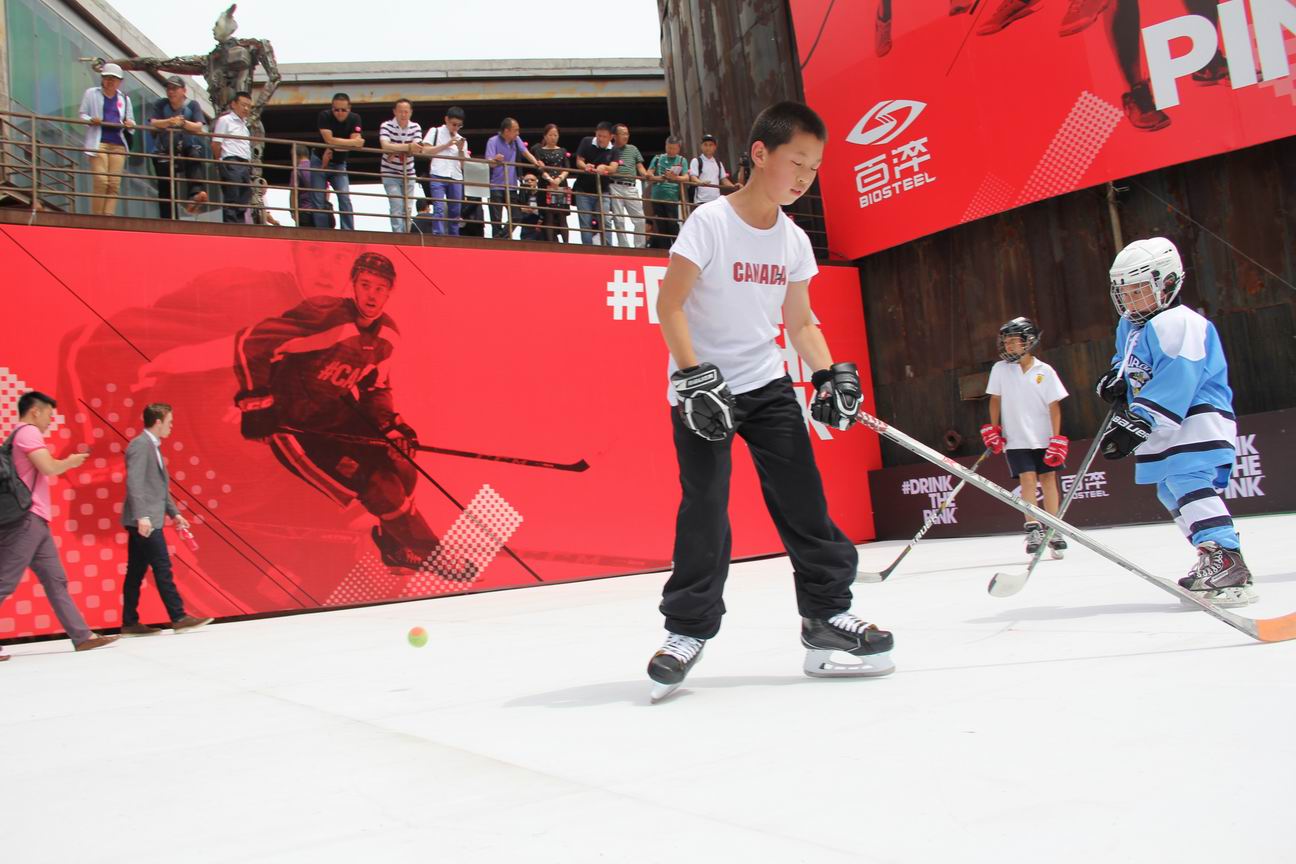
<point x="400" y="139"/>
<point x="626" y="202"/>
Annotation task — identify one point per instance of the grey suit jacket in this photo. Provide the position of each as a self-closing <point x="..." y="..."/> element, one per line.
<point x="147" y="485"/>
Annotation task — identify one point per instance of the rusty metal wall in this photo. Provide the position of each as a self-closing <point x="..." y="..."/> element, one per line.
<point x="934" y="306"/>
<point x="725" y="60"/>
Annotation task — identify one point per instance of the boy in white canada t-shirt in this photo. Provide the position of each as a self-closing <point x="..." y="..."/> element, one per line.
<point x="1027" y="393"/>
<point x="738" y="269"/>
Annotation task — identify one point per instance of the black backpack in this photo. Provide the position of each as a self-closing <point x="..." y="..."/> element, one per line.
<point x="15" y="496"/>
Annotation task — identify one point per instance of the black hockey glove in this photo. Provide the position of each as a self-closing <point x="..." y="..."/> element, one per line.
<point x="402" y="436"/>
<point x="260" y="418"/>
<point x="1111" y="386"/>
<point x="1126" y="432"/>
<point x="837" y="396"/>
<point x="705" y="404"/>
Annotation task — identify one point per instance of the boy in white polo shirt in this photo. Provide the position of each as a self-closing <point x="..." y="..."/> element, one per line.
<point x="738" y="269"/>
<point x="1028" y="394"/>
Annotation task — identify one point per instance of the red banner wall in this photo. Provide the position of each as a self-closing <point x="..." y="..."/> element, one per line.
<point x="941" y="124"/>
<point x="546" y="355"/>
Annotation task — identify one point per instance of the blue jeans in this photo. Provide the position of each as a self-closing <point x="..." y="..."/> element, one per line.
<point x="400" y="191"/>
<point x="593" y="209"/>
<point x="321" y="178"/>
<point x="447" y="203"/>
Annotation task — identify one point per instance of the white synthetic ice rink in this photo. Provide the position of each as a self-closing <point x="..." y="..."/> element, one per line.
<point x="1090" y="718"/>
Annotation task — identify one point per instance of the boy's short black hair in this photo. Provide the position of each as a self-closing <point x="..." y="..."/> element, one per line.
<point x="455" y="113"/>
<point x="779" y="122"/>
<point x="27" y="400"/>
<point x="604" y="126"/>
<point x="341" y="97"/>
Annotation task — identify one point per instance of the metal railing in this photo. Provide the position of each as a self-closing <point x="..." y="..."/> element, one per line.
<point x="43" y="174"/>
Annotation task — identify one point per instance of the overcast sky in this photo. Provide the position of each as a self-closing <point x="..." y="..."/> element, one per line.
<point x="320" y="31"/>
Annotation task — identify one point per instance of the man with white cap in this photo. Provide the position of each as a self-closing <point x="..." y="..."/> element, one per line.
<point x="107" y="109"/>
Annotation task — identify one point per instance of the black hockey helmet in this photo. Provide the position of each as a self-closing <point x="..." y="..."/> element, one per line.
<point x="1026" y="330"/>
<point x="372" y="262"/>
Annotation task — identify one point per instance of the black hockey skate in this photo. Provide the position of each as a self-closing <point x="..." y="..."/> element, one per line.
<point x="420" y="556"/>
<point x="1034" y="537"/>
<point x="1220" y="577"/>
<point x="395" y="553"/>
<point x="845" y="633"/>
<point x="1057" y="546"/>
<point x="672" y="662"/>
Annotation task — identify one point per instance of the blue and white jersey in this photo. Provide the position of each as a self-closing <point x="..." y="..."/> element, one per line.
<point x="1178" y="381"/>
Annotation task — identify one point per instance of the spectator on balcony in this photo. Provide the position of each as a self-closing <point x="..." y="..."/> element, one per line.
<point x="594" y="161"/>
<point x="627" y="201"/>
<point x="423" y="220"/>
<point x="444" y="185"/>
<point x="706" y="169"/>
<point x="474" y="220"/>
<point x="307" y="206"/>
<point x="503" y="149"/>
<point x="107" y="109"/>
<point x="400" y="138"/>
<point x="554" y="201"/>
<point x="339" y="127"/>
<point x="669" y="172"/>
<point x="233" y="151"/>
<point x="175" y="122"/>
<point x="527" y="207"/>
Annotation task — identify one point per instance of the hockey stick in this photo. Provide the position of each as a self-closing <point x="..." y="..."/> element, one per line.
<point x="1008" y="584"/>
<point x="582" y="465"/>
<point x="1263" y="629"/>
<point x="870" y="576"/>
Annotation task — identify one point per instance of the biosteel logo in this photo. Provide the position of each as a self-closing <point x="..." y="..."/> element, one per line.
<point x="885" y="121"/>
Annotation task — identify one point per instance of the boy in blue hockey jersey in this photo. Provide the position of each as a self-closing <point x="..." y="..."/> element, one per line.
<point x="1178" y="420"/>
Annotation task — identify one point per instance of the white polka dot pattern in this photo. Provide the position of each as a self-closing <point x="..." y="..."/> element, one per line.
<point x="1073" y="149"/>
<point x="993" y="196"/>
<point x="12" y="387"/>
<point x="475" y="539"/>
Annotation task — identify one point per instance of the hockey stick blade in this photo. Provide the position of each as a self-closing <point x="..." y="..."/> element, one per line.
<point x="1008" y="584"/>
<point x="1278" y="629"/>
<point x="870" y="576"/>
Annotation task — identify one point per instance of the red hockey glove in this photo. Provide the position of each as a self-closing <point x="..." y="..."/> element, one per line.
<point x="992" y="435"/>
<point x="1057" y="451"/>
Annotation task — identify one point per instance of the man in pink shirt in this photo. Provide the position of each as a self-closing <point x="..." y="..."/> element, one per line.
<point x="28" y="542"/>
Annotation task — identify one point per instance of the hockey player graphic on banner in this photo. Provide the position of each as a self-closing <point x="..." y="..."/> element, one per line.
<point x="315" y="383"/>
<point x="177" y="345"/>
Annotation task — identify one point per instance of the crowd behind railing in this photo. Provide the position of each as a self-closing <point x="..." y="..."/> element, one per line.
<point x="430" y="179"/>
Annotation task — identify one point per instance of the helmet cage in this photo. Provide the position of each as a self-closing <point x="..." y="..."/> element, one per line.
<point x="1165" y="287"/>
<point x="1025" y="330"/>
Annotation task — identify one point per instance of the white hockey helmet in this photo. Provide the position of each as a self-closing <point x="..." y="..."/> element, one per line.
<point x="1154" y="262"/>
